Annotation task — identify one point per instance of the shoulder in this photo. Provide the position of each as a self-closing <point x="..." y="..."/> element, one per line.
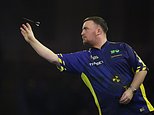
<point x="77" y="53"/>
<point x="117" y="43"/>
<point x="120" y="44"/>
<point x="80" y="52"/>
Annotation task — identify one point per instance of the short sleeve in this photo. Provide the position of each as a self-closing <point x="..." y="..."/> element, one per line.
<point x="70" y="62"/>
<point x="134" y="60"/>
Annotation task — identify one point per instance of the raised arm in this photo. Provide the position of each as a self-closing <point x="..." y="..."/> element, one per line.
<point x="43" y="51"/>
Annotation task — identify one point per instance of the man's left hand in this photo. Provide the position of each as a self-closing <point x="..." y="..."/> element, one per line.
<point x="126" y="96"/>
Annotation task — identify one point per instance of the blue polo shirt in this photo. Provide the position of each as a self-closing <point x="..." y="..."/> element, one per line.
<point x="108" y="72"/>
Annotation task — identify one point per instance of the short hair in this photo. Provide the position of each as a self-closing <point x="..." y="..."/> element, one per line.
<point x="98" y="20"/>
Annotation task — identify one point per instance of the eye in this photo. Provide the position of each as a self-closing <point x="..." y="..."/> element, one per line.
<point x="85" y="28"/>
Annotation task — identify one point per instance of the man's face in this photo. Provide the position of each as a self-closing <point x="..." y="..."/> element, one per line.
<point x="88" y="33"/>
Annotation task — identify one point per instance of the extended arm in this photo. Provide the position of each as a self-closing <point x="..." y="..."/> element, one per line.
<point x="43" y="51"/>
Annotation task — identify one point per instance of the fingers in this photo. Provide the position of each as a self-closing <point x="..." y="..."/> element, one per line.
<point x="28" y="26"/>
<point x="27" y="32"/>
<point x="125" y="102"/>
<point x="22" y="30"/>
<point x="124" y="99"/>
<point x="25" y="27"/>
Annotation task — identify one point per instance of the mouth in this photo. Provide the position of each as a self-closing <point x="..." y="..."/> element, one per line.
<point x="83" y="37"/>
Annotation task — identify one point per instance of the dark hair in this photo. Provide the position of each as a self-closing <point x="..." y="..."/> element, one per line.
<point x="98" y="20"/>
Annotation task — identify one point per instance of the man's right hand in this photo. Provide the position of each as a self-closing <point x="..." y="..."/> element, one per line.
<point x="43" y="51"/>
<point x="27" y="32"/>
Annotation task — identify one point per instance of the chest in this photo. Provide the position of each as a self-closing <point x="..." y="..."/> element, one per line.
<point x="112" y="57"/>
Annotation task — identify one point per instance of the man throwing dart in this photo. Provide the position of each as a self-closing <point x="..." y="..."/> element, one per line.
<point x="112" y="71"/>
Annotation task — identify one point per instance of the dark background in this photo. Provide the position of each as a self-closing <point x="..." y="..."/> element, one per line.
<point x="29" y="85"/>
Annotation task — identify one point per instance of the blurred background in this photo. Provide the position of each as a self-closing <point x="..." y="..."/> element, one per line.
<point x="29" y="85"/>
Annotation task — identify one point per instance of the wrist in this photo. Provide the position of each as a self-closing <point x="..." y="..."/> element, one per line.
<point x="133" y="89"/>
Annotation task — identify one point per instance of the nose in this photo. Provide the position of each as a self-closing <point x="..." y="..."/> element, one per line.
<point x="82" y="32"/>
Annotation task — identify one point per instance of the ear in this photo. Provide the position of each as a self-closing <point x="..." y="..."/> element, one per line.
<point x="99" y="31"/>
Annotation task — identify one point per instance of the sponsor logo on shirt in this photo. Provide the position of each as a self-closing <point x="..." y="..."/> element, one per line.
<point x="142" y="109"/>
<point x="96" y="63"/>
<point x="114" y="51"/>
<point x="116" y="79"/>
<point x="116" y="56"/>
<point x="94" y="57"/>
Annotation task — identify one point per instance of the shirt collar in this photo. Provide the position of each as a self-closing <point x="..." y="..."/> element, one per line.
<point x="107" y="42"/>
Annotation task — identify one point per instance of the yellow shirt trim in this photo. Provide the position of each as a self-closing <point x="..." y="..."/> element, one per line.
<point x="150" y="107"/>
<point x="88" y="84"/>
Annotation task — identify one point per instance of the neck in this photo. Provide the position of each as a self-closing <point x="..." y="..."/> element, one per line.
<point x="100" y="43"/>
